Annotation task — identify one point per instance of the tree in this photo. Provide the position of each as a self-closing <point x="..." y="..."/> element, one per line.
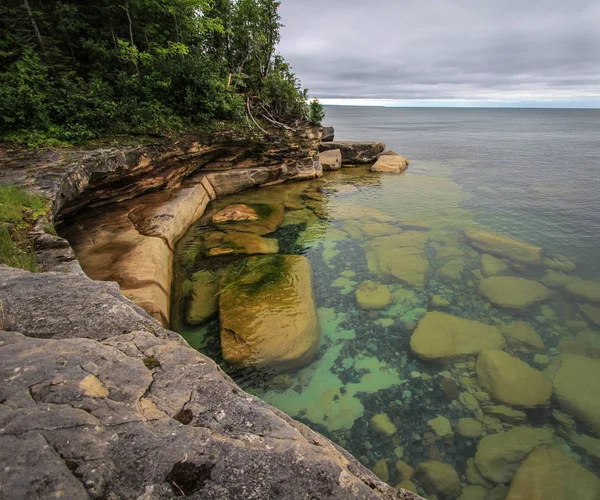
<point x="316" y="112"/>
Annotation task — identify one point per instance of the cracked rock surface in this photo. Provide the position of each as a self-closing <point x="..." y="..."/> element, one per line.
<point x="98" y="400"/>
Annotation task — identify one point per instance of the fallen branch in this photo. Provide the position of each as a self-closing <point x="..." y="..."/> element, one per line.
<point x="250" y="114"/>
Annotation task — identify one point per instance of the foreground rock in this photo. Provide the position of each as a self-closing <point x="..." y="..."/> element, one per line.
<point x="441" y="336"/>
<point x="498" y="456"/>
<point x="517" y="294"/>
<point x="512" y="381"/>
<point x="268" y="315"/>
<point x="401" y="256"/>
<point x="327" y="134"/>
<point x="331" y="160"/>
<point x="577" y="389"/>
<point x="390" y="162"/>
<point x="504" y="246"/>
<point x="132" y="411"/>
<point x="548" y="474"/>
<point x="355" y="151"/>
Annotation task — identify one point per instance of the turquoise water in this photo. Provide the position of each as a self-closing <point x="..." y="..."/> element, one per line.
<point x="533" y="175"/>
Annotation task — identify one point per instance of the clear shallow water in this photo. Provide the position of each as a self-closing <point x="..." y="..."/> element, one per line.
<point x="530" y="174"/>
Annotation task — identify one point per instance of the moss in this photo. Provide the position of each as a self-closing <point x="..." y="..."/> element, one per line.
<point x="264" y="211"/>
<point x="254" y="274"/>
<point x="19" y="210"/>
<point x="151" y="363"/>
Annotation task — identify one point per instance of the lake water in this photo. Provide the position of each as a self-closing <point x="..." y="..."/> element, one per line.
<point x="411" y="283"/>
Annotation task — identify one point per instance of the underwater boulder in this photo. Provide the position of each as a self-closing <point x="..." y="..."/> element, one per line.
<point x="441" y="336"/>
<point x="438" y="477"/>
<point x="505" y="246"/>
<point x="548" y="474"/>
<point x="492" y="266"/>
<point x="203" y="302"/>
<point x="235" y="213"/>
<point x="372" y="296"/>
<point x="585" y="290"/>
<point x="513" y="293"/>
<point x="522" y="334"/>
<point x="270" y="217"/>
<point x="268" y="314"/>
<point x="512" y="381"/>
<point x="591" y="313"/>
<point x="248" y="243"/>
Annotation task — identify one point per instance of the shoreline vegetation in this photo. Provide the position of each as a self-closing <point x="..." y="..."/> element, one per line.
<point x="74" y="71"/>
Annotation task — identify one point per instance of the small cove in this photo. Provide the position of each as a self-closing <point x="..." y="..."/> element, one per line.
<point x="364" y="366"/>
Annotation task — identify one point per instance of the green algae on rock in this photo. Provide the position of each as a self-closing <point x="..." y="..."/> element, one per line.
<point x="268" y="314"/>
<point x="441" y="336"/>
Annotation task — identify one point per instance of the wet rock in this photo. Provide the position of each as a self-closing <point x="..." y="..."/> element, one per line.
<point x="382" y="424"/>
<point x="563" y="418"/>
<point x="438" y="477"/>
<point x="452" y="270"/>
<point x="441" y="427"/>
<point x="556" y="279"/>
<point x="270" y="218"/>
<point x="591" y="313"/>
<point x="547" y="473"/>
<point x="577" y="389"/>
<point x="498" y="455"/>
<point x="579" y="346"/>
<point x="204" y="299"/>
<point x="268" y="314"/>
<point x="585" y="290"/>
<point x="470" y="402"/>
<point x="244" y="243"/>
<point x="407" y="485"/>
<point x="504" y="246"/>
<point x="439" y="302"/>
<point x="449" y="388"/>
<point x="404" y="471"/>
<point x="372" y="295"/>
<point x="401" y="256"/>
<point x="469" y="428"/>
<point x="499" y="492"/>
<point x="390" y="163"/>
<point x="441" y="336"/>
<point x="354" y="151"/>
<point x="235" y="213"/>
<point x="506" y="414"/>
<point x="512" y="293"/>
<point x="559" y="262"/>
<point x="492" y="266"/>
<point x="522" y="334"/>
<point x="474" y="476"/>
<point x="511" y="381"/>
<point x="381" y="470"/>
<point x="473" y="493"/>
<point x="331" y="160"/>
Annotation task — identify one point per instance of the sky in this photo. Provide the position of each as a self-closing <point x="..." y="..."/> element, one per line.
<point x="445" y="52"/>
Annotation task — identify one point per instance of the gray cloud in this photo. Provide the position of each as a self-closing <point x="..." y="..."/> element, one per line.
<point x="444" y="49"/>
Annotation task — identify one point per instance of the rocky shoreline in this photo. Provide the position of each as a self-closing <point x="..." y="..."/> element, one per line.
<point x="98" y="399"/>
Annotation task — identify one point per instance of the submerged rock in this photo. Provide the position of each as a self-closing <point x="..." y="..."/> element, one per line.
<point x="235" y="213"/>
<point x="469" y="428"/>
<point x="506" y="414"/>
<point x="504" y="246"/>
<point x="355" y="151"/>
<point x="441" y="336"/>
<point x="381" y="470"/>
<point x="382" y="424"/>
<point x="557" y="279"/>
<point x="267" y="311"/>
<point x="492" y="266"/>
<point x="390" y="163"/>
<point x="441" y="427"/>
<point x="548" y="474"/>
<point x="438" y="477"/>
<point x="585" y="290"/>
<point x="513" y="293"/>
<point x="560" y="263"/>
<point x="372" y="295"/>
<point x="401" y="256"/>
<point x="512" y="381"/>
<point x="475" y="492"/>
<point x="522" y="334"/>
<point x="331" y="160"/>
<point x="248" y="243"/>
<point x="591" y="313"/>
<point x="577" y="389"/>
<point x="498" y="455"/>
<point x="204" y="297"/>
<point x="377" y="229"/>
<point x="270" y="217"/>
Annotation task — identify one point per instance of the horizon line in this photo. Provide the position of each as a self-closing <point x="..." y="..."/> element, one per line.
<point x="576" y="103"/>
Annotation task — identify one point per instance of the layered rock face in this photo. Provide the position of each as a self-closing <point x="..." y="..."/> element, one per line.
<point x="354" y="152"/>
<point x="98" y="401"/>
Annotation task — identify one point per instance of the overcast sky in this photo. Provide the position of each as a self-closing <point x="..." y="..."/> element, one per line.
<point x="449" y="52"/>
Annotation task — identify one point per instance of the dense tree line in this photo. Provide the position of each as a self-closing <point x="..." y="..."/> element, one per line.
<point x="72" y="70"/>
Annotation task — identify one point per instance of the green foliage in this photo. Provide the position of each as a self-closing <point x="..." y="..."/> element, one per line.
<point x="75" y="70"/>
<point x="18" y="211"/>
<point x="316" y="112"/>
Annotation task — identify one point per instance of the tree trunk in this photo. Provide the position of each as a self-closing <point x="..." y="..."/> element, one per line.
<point x="36" y="30"/>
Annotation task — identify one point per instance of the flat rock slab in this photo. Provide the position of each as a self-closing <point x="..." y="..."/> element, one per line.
<point x="132" y="410"/>
<point x="354" y="151"/>
<point x="441" y="336"/>
<point x="502" y="245"/>
<point x="512" y="381"/>
<point x="509" y="292"/>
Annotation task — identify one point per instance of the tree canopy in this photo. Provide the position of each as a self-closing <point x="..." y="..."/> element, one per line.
<point x="72" y="70"/>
